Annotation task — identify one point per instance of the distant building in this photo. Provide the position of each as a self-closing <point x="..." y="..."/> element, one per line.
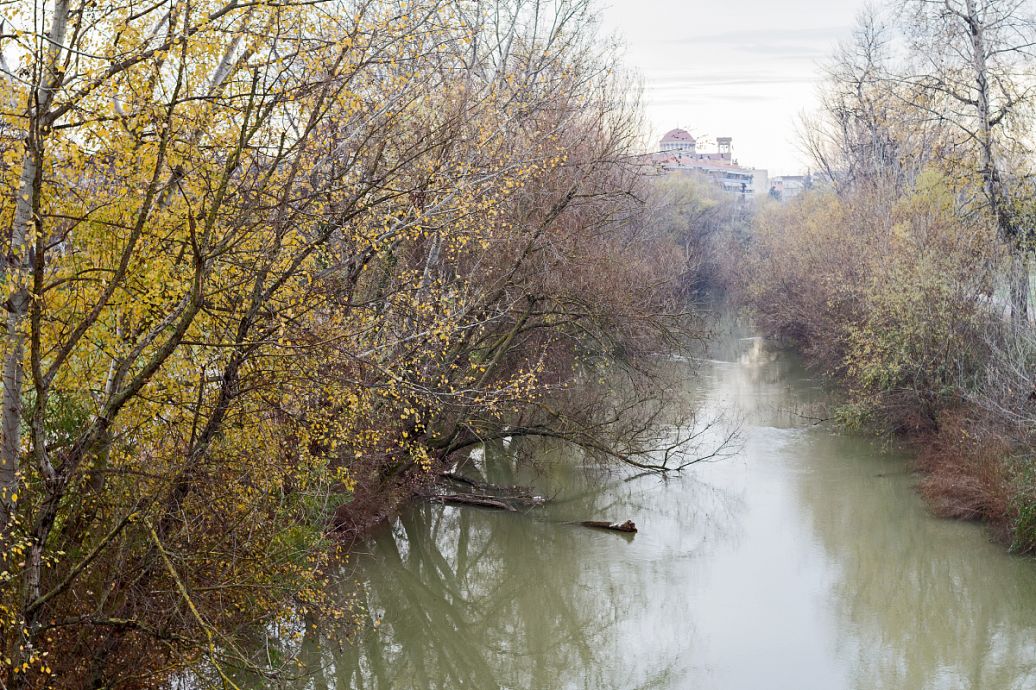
<point x="787" y="187"/>
<point x="678" y="140"/>
<point x="678" y="153"/>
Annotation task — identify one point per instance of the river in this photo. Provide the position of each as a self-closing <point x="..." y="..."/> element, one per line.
<point x="804" y="560"/>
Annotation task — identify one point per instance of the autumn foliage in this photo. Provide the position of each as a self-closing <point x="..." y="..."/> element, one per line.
<point x="267" y="266"/>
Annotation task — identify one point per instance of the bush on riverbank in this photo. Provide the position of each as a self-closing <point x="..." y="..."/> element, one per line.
<point x="892" y="296"/>
<point x="898" y="302"/>
<point x="897" y="299"/>
<point x="903" y="274"/>
<point x="706" y="222"/>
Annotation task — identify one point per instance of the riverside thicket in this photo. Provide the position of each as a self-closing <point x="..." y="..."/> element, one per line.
<point x="905" y="271"/>
<point x="266" y="267"/>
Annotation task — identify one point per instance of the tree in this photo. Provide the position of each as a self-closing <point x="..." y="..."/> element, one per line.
<point x="262" y="257"/>
<point x="971" y="67"/>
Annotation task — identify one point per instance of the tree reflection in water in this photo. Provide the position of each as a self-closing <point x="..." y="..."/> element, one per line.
<point x="476" y="599"/>
<point x="807" y="561"/>
<point x="926" y="603"/>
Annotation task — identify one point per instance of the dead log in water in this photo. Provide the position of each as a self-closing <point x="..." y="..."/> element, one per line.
<point x="509" y="498"/>
<point x="459" y="478"/>
<point x="473" y="500"/>
<point x="628" y="527"/>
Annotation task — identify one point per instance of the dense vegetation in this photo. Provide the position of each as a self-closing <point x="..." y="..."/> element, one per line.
<point x="267" y="268"/>
<point x="904" y="272"/>
<point x="270" y="268"/>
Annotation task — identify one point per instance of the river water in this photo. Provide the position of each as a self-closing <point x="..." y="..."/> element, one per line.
<point x="805" y="560"/>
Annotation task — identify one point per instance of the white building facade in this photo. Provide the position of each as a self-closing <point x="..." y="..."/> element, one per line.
<point x="678" y="152"/>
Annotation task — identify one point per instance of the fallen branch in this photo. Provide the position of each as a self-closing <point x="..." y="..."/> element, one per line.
<point x="628" y="527"/>
<point x="472" y="500"/>
<point x="459" y="478"/>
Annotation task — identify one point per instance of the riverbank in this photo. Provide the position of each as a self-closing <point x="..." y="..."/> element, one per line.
<point x="328" y="280"/>
<point x="809" y="551"/>
<point x="973" y="472"/>
<point x="889" y="296"/>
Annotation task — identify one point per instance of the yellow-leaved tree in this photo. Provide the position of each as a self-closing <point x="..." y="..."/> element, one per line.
<point x="268" y="266"/>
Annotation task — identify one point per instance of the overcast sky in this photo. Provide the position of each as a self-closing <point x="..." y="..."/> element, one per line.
<point x="739" y="68"/>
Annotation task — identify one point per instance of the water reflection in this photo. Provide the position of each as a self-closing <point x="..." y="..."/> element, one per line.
<point x="484" y="600"/>
<point x="935" y="605"/>
<point x="806" y="561"/>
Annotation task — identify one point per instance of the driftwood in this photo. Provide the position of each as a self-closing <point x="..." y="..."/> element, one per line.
<point x="509" y="498"/>
<point x="525" y="500"/>
<point x="459" y="478"/>
<point x="629" y="527"/>
<point x="521" y="494"/>
<point x="473" y="500"/>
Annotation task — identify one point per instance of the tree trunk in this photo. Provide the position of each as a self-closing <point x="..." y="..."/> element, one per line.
<point x="993" y="182"/>
<point x="1019" y="287"/>
<point x="17" y="308"/>
<point x="18" y="265"/>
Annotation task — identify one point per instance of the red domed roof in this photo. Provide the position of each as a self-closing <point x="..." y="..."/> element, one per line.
<point x="677" y="135"/>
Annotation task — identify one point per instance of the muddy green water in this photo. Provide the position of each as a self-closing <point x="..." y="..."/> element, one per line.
<point x="804" y="561"/>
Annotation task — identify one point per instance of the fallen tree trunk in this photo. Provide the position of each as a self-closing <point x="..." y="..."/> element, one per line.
<point x="459" y="478"/>
<point x="472" y="500"/>
<point x="628" y="527"/>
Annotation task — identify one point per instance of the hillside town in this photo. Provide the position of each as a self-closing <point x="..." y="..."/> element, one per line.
<point x="679" y="153"/>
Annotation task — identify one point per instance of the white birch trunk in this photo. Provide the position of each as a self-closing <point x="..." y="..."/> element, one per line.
<point x="19" y="267"/>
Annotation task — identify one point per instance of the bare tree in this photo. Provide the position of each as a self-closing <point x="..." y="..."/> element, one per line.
<point x="971" y="66"/>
